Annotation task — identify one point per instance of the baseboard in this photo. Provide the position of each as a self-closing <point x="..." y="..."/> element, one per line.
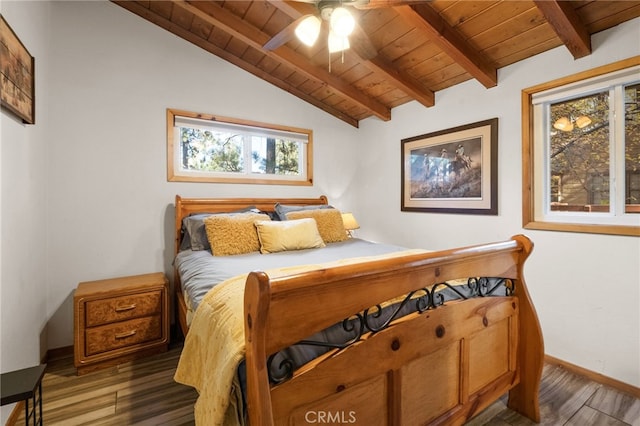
<point x="58" y="353"/>
<point x="596" y="377"/>
<point x="15" y="414"/>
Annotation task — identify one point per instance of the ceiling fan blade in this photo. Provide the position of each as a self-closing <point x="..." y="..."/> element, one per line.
<point x="378" y="4"/>
<point x="285" y="35"/>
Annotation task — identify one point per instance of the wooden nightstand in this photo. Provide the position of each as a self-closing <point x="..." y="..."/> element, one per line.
<point x="120" y="319"/>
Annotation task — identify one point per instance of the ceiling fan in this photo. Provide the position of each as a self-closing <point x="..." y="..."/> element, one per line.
<point x="340" y="20"/>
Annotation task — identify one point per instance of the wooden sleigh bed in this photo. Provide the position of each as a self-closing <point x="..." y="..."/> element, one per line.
<point x="442" y="364"/>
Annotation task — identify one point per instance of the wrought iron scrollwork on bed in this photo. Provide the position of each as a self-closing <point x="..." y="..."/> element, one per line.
<point x="282" y="365"/>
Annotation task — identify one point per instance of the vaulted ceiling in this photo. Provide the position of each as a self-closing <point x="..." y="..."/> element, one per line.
<point x="401" y="51"/>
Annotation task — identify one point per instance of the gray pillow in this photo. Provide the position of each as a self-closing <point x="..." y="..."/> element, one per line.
<point x="282" y="209"/>
<point x="194" y="232"/>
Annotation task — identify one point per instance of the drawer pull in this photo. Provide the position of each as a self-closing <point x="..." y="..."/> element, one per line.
<point x="126" y="334"/>
<point x="125" y="308"/>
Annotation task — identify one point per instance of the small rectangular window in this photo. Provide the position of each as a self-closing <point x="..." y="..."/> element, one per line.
<point x="207" y="148"/>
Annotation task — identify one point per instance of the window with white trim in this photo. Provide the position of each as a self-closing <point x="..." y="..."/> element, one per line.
<point x="583" y="153"/>
<point x="207" y="148"/>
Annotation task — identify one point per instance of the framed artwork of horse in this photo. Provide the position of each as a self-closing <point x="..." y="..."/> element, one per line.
<point x="452" y="171"/>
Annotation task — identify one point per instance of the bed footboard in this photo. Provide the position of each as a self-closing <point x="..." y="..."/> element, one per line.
<point x="434" y="366"/>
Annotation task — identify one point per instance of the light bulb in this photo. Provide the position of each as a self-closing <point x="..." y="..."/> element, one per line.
<point x="342" y="22"/>
<point x="583" y="121"/>
<point x="308" y="30"/>
<point x="337" y="43"/>
<point x="564" y="124"/>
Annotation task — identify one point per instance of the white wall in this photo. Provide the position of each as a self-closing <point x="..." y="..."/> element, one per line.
<point x="586" y="287"/>
<point x="110" y="205"/>
<point x="85" y="196"/>
<point x="23" y="170"/>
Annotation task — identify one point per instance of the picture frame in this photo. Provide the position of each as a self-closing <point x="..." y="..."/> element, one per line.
<point x="17" y="75"/>
<point x="452" y="171"/>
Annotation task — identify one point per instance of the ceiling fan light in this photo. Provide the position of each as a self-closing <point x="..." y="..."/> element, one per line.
<point x="337" y="43"/>
<point x="308" y="30"/>
<point x="563" y="124"/>
<point x="342" y="22"/>
<point x="583" y="121"/>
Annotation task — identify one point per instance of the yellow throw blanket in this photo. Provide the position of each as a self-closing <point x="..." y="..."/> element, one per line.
<point x="214" y="346"/>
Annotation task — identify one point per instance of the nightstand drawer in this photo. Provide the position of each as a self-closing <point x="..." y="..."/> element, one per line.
<point x="120" y="308"/>
<point x="118" y="335"/>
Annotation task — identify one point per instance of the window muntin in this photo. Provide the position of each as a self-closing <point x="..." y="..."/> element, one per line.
<point x="203" y="148"/>
<point x="581" y="152"/>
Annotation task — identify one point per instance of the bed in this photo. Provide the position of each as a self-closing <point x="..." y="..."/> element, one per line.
<point x="460" y="347"/>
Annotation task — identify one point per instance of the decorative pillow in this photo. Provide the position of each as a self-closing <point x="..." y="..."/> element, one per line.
<point x="230" y="234"/>
<point x="282" y="209"/>
<point x="329" y="223"/>
<point x="194" y="231"/>
<point x="195" y="234"/>
<point x="288" y="235"/>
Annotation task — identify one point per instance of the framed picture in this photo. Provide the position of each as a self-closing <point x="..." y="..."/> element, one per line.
<point x="16" y="75"/>
<point x="452" y="171"/>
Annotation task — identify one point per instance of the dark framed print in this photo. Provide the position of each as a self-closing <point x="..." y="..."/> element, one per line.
<point x="17" y="92"/>
<point x="452" y="171"/>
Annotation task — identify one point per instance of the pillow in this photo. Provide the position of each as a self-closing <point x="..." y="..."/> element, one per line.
<point x="195" y="234"/>
<point x="329" y="223"/>
<point x="282" y="209"/>
<point x="194" y="231"/>
<point x="230" y="234"/>
<point x="288" y="235"/>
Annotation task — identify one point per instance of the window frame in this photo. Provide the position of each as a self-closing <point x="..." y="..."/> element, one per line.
<point x="532" y="170"/>
<point x="174" y="173"/>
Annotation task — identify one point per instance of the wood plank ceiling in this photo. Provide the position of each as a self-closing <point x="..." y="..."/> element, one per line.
<point x="399" y="52"/>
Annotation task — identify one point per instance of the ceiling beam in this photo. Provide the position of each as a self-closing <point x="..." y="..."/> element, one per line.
<point x="150" y="16"/>
<point x="402" y="81"/>
<point x="427" y="20"/>
<point x="374" y="62"/>
<point x="255" y="38"/>
<point x="567" y="24"/>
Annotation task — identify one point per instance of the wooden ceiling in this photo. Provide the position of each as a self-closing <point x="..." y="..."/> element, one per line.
<point x="398" y="53"/>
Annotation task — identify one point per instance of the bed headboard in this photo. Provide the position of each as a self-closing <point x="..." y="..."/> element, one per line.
<point x="186" y="206"/>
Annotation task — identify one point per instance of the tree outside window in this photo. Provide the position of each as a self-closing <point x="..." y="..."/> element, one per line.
<point x="205" y="148"/>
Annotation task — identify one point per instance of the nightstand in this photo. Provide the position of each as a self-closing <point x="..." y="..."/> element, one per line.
<point x="120" y="319"/>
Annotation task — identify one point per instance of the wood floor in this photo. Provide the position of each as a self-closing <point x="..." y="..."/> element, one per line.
<point x="143" y="393"/>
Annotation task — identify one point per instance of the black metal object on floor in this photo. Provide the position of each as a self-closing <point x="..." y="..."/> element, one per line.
<point x="25" y="385"/>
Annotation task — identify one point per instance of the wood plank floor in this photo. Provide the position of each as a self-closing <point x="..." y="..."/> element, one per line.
<point x="143" y="393"/>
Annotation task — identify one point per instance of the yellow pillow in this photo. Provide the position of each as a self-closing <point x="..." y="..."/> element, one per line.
<point x="233" y="233"/>
<point x="329" y="223"/>
<point x="288" y="235"/>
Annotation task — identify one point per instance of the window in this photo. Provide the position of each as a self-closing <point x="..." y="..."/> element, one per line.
<point x="207" y="148"/>
<point x="581" y="152"/>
